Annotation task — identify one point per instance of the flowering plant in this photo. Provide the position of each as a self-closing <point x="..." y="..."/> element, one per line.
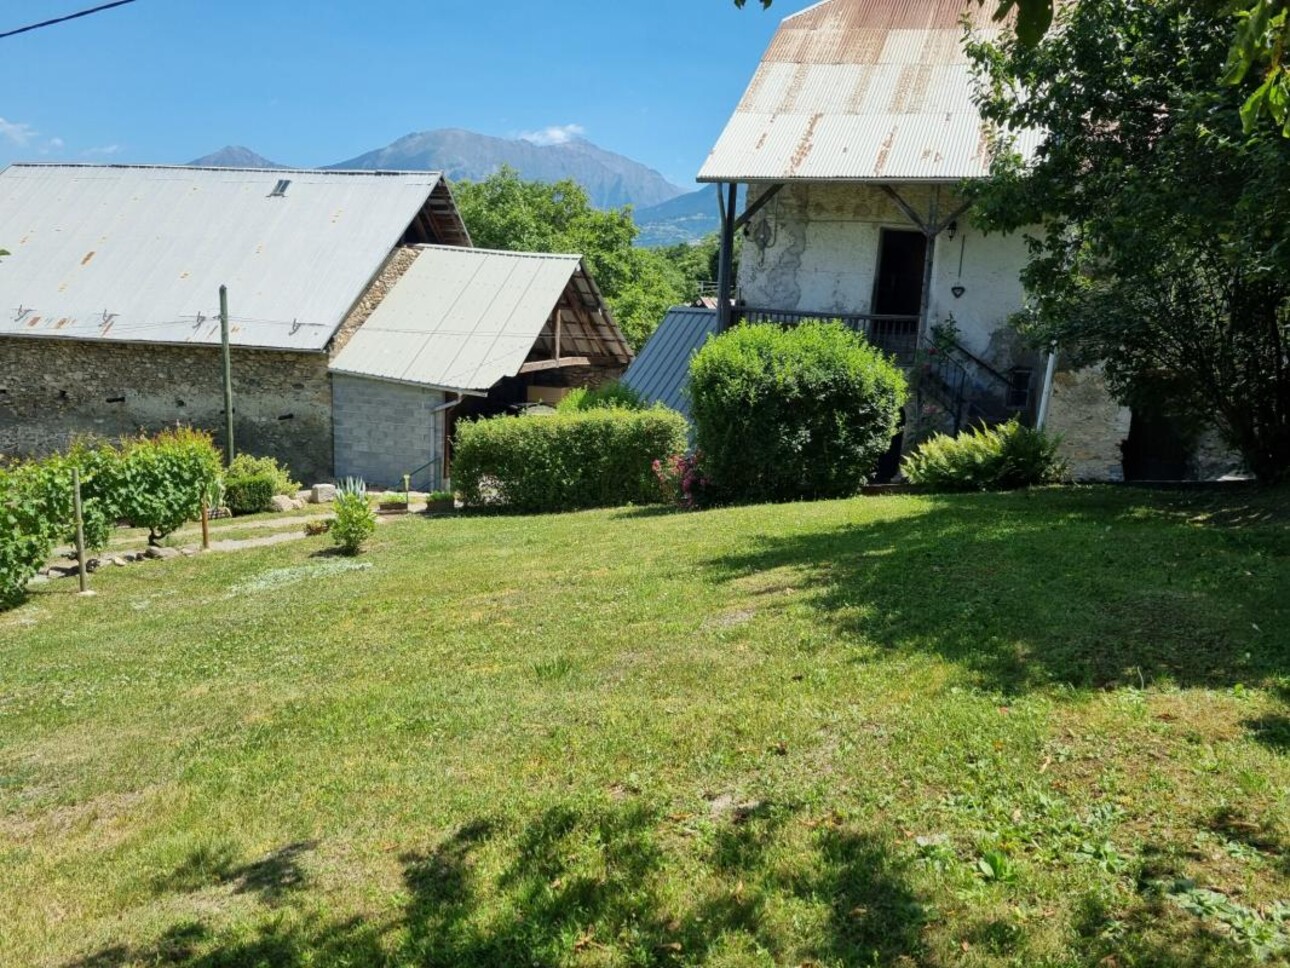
<point x="681" y="479"/>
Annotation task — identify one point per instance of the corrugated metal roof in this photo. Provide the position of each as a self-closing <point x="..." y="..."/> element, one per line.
<point x="139" y="253"/>
<point x="459" y="319"/>
<point x="661" y="371"/>
<point x="862" y="90"/>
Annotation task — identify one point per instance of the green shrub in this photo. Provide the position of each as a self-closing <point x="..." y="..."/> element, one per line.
<point x="354" y="523"/>
<point x="249" y="493"/>
<point x="244" y="465"/>
<point x="163" y="479"/>
<point x="100" y="466"/>
<point x="784" y="413"/>
<point x="986" y="458"/>
<point x="609" y="395"/>
<point x="564" y="461"/>
<point x="27" y="528"/>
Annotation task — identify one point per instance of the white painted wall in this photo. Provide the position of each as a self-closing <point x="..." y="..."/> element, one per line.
<point x="822" y="256"/>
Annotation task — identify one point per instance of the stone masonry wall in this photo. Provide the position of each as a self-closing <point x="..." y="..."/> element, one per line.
<point x="1091" y="424"/>
<point x="385" y="430"/>
<point x="53" y="390"/>
<point x="396" y="265"/>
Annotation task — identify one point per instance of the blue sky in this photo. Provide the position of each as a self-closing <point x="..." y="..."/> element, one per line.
<point x="308" y="83"/>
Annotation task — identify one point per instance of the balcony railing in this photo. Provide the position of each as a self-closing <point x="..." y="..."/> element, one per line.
<point x="897" y="335"/>
<point x="968" y="388"/>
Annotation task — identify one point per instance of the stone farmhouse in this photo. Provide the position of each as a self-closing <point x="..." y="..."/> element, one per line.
<point x="362" y="322"/>
<point x="851" y="140"/>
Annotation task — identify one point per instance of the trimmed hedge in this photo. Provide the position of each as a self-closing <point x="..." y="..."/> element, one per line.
<point x="565" y="461"/>
<point x="249" y="493"/>
<point x="782" y="414"/>
<point x="986" y="458"/>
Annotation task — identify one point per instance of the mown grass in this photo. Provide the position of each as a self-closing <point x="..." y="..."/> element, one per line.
<point x="1045" y="728"/>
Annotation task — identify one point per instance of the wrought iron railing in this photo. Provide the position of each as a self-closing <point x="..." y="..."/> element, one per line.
<point x="897" y="335"/>
<point x="969" y="389"/>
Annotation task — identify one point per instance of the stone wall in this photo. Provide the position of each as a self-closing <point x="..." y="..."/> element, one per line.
<point x="399" y="261"/>
<point x="1091" y="423"/>
<point x="385" y="430"/>
<point x="52" y="390"/>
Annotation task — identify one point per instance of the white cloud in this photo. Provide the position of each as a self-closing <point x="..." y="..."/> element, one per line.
<point x="104" y="151"/>
<point x="557" y="134"/>
<point x="17" y="132"/>
<point x="56" y="144"/>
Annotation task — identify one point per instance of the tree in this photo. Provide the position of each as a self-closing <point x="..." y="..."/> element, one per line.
<point x="507" y="212"/>
<point x="1260" y="44"/>
<point x="1164" y="241"/>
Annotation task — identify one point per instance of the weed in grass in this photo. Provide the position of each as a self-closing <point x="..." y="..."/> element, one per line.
<point x="994" y="865"/>
<point x="553" y="670"/>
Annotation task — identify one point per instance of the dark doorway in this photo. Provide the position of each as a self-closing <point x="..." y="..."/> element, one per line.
<point x="1156" y="450"/>
<point x="898" y="288"/>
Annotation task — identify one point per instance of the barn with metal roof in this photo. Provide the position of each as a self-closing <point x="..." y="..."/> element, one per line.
<point x="110" y="318"/>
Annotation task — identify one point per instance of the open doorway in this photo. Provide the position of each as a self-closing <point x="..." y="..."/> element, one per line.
<point x="898" y="286"/>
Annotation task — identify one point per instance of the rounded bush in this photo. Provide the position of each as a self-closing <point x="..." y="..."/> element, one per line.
<point x="601" y="457"/>
<point x="245" y="465"/>
<point x="249" y="493"/>
<point x="782" y="414"/>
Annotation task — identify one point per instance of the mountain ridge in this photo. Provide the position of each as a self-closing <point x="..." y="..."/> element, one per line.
<point x="610" y="179"/>
<point x="665" y="213"/>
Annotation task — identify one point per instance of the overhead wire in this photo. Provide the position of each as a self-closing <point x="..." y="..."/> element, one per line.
<point x="59" y="20"/>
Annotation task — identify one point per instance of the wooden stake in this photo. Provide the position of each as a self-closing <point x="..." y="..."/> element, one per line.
<point x="80" y="530"/>
<point x="206" y="528"/>
<point x="227" y="356"/>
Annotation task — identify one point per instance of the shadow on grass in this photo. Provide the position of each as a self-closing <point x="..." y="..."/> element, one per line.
<point x="1089" y="588"/>
<point x="595" y="884"/>
<point x="1273" y="731"/>
<point x="271" y="878"/>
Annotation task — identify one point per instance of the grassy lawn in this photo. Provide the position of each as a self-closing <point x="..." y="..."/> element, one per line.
<point x="1047" y="728"/>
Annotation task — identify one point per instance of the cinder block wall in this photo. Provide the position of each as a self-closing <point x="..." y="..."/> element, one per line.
<point x="385" y="430"/>
<point x="53" y="390"/>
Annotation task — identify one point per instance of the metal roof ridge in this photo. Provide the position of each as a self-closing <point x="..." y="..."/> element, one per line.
<point x="805" y="10"/>
<point x="512" y="253"/>
<point x="424" y="173"/>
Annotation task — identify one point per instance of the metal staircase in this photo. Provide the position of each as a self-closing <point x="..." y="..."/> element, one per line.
<point x="969" y="390"/>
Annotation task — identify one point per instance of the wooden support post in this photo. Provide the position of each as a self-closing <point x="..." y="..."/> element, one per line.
<point x="206" y="526"/>
<point x="558" y="315"/>
<point x="80" y="531"/>
<point x="931" y="231"/>
<point x="726" y="265"/>
<point x="227" y="358"/>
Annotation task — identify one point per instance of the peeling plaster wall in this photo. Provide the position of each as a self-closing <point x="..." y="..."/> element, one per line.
<point x="823" y="249"/>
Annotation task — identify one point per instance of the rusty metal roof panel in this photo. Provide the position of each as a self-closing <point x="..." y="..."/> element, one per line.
<point x="138" y="253"/>
<point x="875" y="90"/>
<point x="459" y="319"/>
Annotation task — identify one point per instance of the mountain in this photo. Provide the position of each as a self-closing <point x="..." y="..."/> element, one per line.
<point x="611" y="180"/>
<point x="686" y="218"/>
<point x="234" y="156"/>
